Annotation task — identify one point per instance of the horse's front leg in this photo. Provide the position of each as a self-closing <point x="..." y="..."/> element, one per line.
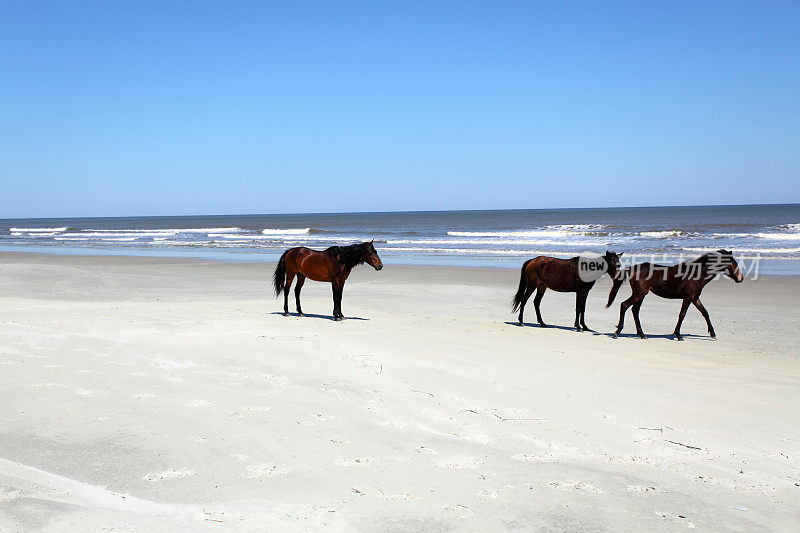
<point x="623" y="307"/>
<point x="699" y="305"/>
<point x="684" y="307"/>
<point x="337" y="299"/>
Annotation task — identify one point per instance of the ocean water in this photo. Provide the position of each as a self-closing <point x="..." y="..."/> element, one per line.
<point x="763" y="237"/>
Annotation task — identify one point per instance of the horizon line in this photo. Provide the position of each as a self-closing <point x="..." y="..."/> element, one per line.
<point x="407" y="211"/>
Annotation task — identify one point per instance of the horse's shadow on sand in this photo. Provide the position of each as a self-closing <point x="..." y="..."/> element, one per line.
<point x="669" y="336"/>
<point x="602" y="334"/>
<point x="553" y="326"/>
<point x="323" y="317"/>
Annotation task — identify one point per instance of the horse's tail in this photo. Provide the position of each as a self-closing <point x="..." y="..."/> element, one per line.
<point x="617" y="283"/>
<point x="279" y="277"/>
<point x="523" y="287"/>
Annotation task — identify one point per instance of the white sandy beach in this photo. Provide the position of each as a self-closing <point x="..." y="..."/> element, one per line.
<point x="147" y="394"/>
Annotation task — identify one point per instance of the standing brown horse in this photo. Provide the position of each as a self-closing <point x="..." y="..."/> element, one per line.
<point x="333" y="264"/>
<point x="682" y="281"/>
<point x="561" y="275"/>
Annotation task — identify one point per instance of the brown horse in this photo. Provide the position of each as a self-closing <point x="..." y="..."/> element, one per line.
<point x="682" y="281"/>
<point x="333" y="264"/>
<point x="561" y="275"/>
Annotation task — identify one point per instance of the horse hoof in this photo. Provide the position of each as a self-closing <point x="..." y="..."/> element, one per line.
<point x="642" y="335"/>
<point x="678" y="338"/>
<point x="338" y="318"/>
<point x="300" y="314"/>
<point x="542" y="324"/>
<point x="286" y="313"/>
<point x="615" y="336"/>
<point x="520" y="324"/>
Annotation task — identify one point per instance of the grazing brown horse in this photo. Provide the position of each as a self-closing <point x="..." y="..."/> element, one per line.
<point x="333" y="264"/>
<point x="561" y="275"/>
<point x="682" y="281"/>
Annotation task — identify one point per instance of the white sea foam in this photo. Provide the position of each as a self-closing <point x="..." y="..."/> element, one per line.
<point x="166" y="242"/>
<point x="480" y="251"/>
<point x="531" y="233"/>
<point x="662" y="234"/>
<point x="230" y="244"/>
<point x="347" y="239"/>
<point x="167" y="231"/>
<point x="790" y="227"/>
<point x="768" y="236"/>
<point x="577" y="227"/>
<point x="286" y="238"/>
<point x="553" y="230"/>
<point x="129" y="230"/>
<point x="780" y="236"/>
<point x="123" y="234"/>
<point x="37" y="230"/>
<point x="291" y="231"/>
<point x="207" y="230"/>
<point x="242" y="237"/>
<point x="251" y="237"/>
<point x="749" y="250"/>
<point x="519" y="242"/>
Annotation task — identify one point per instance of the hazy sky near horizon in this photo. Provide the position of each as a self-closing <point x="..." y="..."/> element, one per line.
<point x="157" y="108"/>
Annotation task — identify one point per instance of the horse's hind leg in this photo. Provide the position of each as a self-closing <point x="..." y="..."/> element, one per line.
<point x="635" y="312"/>
<point x="623" y="307"/>
<point x="581" y="310"/>
<point x="289" y="279"/>
<point x="528" y="292"/>
<point x="684" y="307"/>
<point x="699" y="305"/>
<point x="536" y="301"/>
<point x="300" y="280"/>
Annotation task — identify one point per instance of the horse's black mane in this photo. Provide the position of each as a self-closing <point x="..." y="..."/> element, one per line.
<point x="350" y="256"/>
<point x="706" y="257"/>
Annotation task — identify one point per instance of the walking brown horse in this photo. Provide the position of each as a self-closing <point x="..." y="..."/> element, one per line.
<point x="333" y="264"/>
<point x="561" y="275"/>
<point x="682" y="281"/>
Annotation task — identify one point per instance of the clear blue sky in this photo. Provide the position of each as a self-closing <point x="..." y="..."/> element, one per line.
<point x="147" y="108"/>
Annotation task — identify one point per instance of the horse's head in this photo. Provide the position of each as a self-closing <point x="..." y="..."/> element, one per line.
<point x="613" y="264"/>
<point x="730" y="266"/>
<point x="371" y="257"/>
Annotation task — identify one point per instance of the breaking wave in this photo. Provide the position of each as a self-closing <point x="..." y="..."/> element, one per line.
<point x="291" y="231"/>
<point x="520" y="242"/>
<point x="748" y="250"/>
<point x="665" y="234"/>
<point x="168" y="231"/>
<point x="37" y="230"/>
<point x="531" y="233"/>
